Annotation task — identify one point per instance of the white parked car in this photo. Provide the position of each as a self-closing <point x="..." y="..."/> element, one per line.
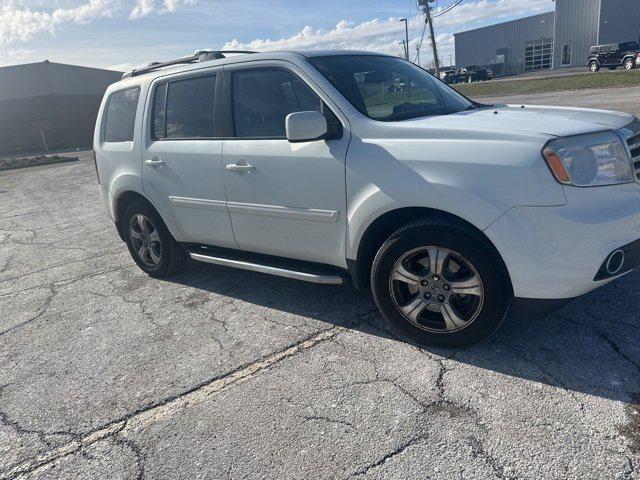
<point x="311" y="165"/>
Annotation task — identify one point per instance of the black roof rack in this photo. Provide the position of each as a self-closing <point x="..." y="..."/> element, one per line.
<point x="200" y="56"/>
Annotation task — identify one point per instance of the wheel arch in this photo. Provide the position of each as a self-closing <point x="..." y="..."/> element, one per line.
<point x="384" y="225"/>
<point x="120" y="204"/>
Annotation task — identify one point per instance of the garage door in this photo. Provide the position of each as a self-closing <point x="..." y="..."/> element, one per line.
<point x="538" y="54"/>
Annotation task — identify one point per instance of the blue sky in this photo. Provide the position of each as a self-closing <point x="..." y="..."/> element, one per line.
<point x="125" y="33"/>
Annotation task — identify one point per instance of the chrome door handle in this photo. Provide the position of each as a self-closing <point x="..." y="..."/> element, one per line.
<point x="154" y="163"/>
<point x="234" y="167"/>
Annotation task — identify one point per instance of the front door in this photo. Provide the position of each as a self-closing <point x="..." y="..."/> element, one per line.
<point x="285" y="199"/>
<point x="182" y="163"/>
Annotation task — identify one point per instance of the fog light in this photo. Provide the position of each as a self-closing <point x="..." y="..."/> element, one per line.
<point x="615" y="262"/>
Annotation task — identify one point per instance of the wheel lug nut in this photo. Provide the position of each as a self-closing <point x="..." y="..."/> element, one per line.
<point x="424" y="283"/>
<point x="446" y="287"/>
<point x="441" y="298"/>
<point x="427" y="295"/>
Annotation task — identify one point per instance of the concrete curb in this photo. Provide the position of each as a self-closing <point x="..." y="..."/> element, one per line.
<point x="14" y="163"/>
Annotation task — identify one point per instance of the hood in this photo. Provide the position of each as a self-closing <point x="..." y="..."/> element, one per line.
<point x="556" y="121"/>
<point x="532" y="119"/>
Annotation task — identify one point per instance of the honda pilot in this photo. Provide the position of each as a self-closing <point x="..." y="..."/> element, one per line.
<point x="328" y="166"/>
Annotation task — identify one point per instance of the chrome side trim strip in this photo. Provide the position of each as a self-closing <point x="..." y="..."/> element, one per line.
<point x="281" y="272"/>
<point x="312" y="214"/>
<point x="198" y="203"/>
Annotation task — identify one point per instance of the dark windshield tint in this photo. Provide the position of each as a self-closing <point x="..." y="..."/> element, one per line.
<point x="388" y="88"/>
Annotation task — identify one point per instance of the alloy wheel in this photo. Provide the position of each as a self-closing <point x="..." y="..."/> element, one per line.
<point x="146" y="240"/>
<point x="436" y="289"/>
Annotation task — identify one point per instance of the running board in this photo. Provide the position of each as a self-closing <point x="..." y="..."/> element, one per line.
<point x="323" y="278"/>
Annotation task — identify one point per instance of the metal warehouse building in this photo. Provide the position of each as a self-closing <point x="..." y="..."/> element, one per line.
<point x="49" y="106"/>
<point x="560" y="38"/>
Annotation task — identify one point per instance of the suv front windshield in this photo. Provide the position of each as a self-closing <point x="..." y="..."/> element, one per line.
<point x="389" y="88"/>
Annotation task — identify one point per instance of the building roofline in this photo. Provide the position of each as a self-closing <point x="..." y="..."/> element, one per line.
<point x="47" y="62"/>
<point x="505" y="23"/>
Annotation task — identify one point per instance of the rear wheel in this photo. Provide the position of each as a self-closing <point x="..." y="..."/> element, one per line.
<point x="440" y="283"/>
<point x="629" y="64"/>
<point x="593" y="66"/>
<point x="149" y="241"/>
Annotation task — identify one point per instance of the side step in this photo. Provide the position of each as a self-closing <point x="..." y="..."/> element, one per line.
<point x="271" y="265"/>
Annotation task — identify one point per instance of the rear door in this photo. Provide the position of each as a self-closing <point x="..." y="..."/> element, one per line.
<point x="613" y="55"/>
<point x="286" y="199"/>
<point x="182" y="160"/>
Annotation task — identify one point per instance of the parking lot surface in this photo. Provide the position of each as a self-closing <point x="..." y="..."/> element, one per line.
<point x="219" y="373"/>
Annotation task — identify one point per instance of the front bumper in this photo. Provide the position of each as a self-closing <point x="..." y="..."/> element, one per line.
<point x="557" y="252"/>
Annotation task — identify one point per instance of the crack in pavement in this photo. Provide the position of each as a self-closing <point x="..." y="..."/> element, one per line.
<point x="389" y="455"/>
<point x="53" y="291"/>
<point x="156" y="411"/>
<point x="441" y="406"/>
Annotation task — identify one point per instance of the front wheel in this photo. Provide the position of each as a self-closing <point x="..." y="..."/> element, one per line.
<point x="593" y="66"/>
<point x="440" y="283"/>
<point x="629" y="64"/>
<point x="149" y="241"/>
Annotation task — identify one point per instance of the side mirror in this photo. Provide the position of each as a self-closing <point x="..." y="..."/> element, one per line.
<point x="306" y="126"/>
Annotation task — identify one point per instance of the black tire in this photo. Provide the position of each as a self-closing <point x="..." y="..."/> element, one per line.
<point x="172" y="256"/>
<point x="593" y="66"/>
<point x="629" y="64"/>
<point x="463" y="240"/>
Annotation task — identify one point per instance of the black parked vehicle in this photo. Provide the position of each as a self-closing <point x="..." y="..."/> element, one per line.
<point x="468" y="74"/>
<point x="448" y="76"/>
<point x="614" y="55"/>
<point x="472" y="73"/>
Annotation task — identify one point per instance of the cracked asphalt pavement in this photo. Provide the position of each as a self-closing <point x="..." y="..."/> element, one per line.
<point x="220" y="373"/>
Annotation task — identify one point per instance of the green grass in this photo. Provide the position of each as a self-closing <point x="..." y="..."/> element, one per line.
<point x="553" y="84"/>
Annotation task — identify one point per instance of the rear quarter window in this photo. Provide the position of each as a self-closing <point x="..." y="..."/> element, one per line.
<point x="120" y="116"/>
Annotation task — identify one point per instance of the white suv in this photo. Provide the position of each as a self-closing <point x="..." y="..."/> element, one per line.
<point x="322" y="166"/>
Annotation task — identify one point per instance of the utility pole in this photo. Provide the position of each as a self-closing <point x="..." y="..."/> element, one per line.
<point x="426" y="9"/>
<point x="404" y="48"/>
<point x="406" y="38"/>
<point x="418" y="53"/>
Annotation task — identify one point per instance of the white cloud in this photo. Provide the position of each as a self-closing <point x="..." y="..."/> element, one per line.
<point x="147" y="7"/>
<point x="21" y="24"/>
<point x="384" y="35"/>
<point x="142" y="8"/>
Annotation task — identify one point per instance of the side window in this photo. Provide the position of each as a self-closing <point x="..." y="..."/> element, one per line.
<point x="120" y="117"/>
<point x="263" y="98"/>
<point x="183" y="109"/>
<point x="159" y="107"/>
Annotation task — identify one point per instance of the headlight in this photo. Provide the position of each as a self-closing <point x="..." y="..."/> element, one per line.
<point x="589" y="160"/>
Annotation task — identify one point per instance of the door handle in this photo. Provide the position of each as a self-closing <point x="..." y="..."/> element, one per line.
<point x="154" y="163"/>
<point x="234" y="167"/>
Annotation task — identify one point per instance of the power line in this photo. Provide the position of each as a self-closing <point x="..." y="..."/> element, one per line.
<point x="419" y="45"/>
<point x="448" y="9"/>
<point x="429" y="16"/>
